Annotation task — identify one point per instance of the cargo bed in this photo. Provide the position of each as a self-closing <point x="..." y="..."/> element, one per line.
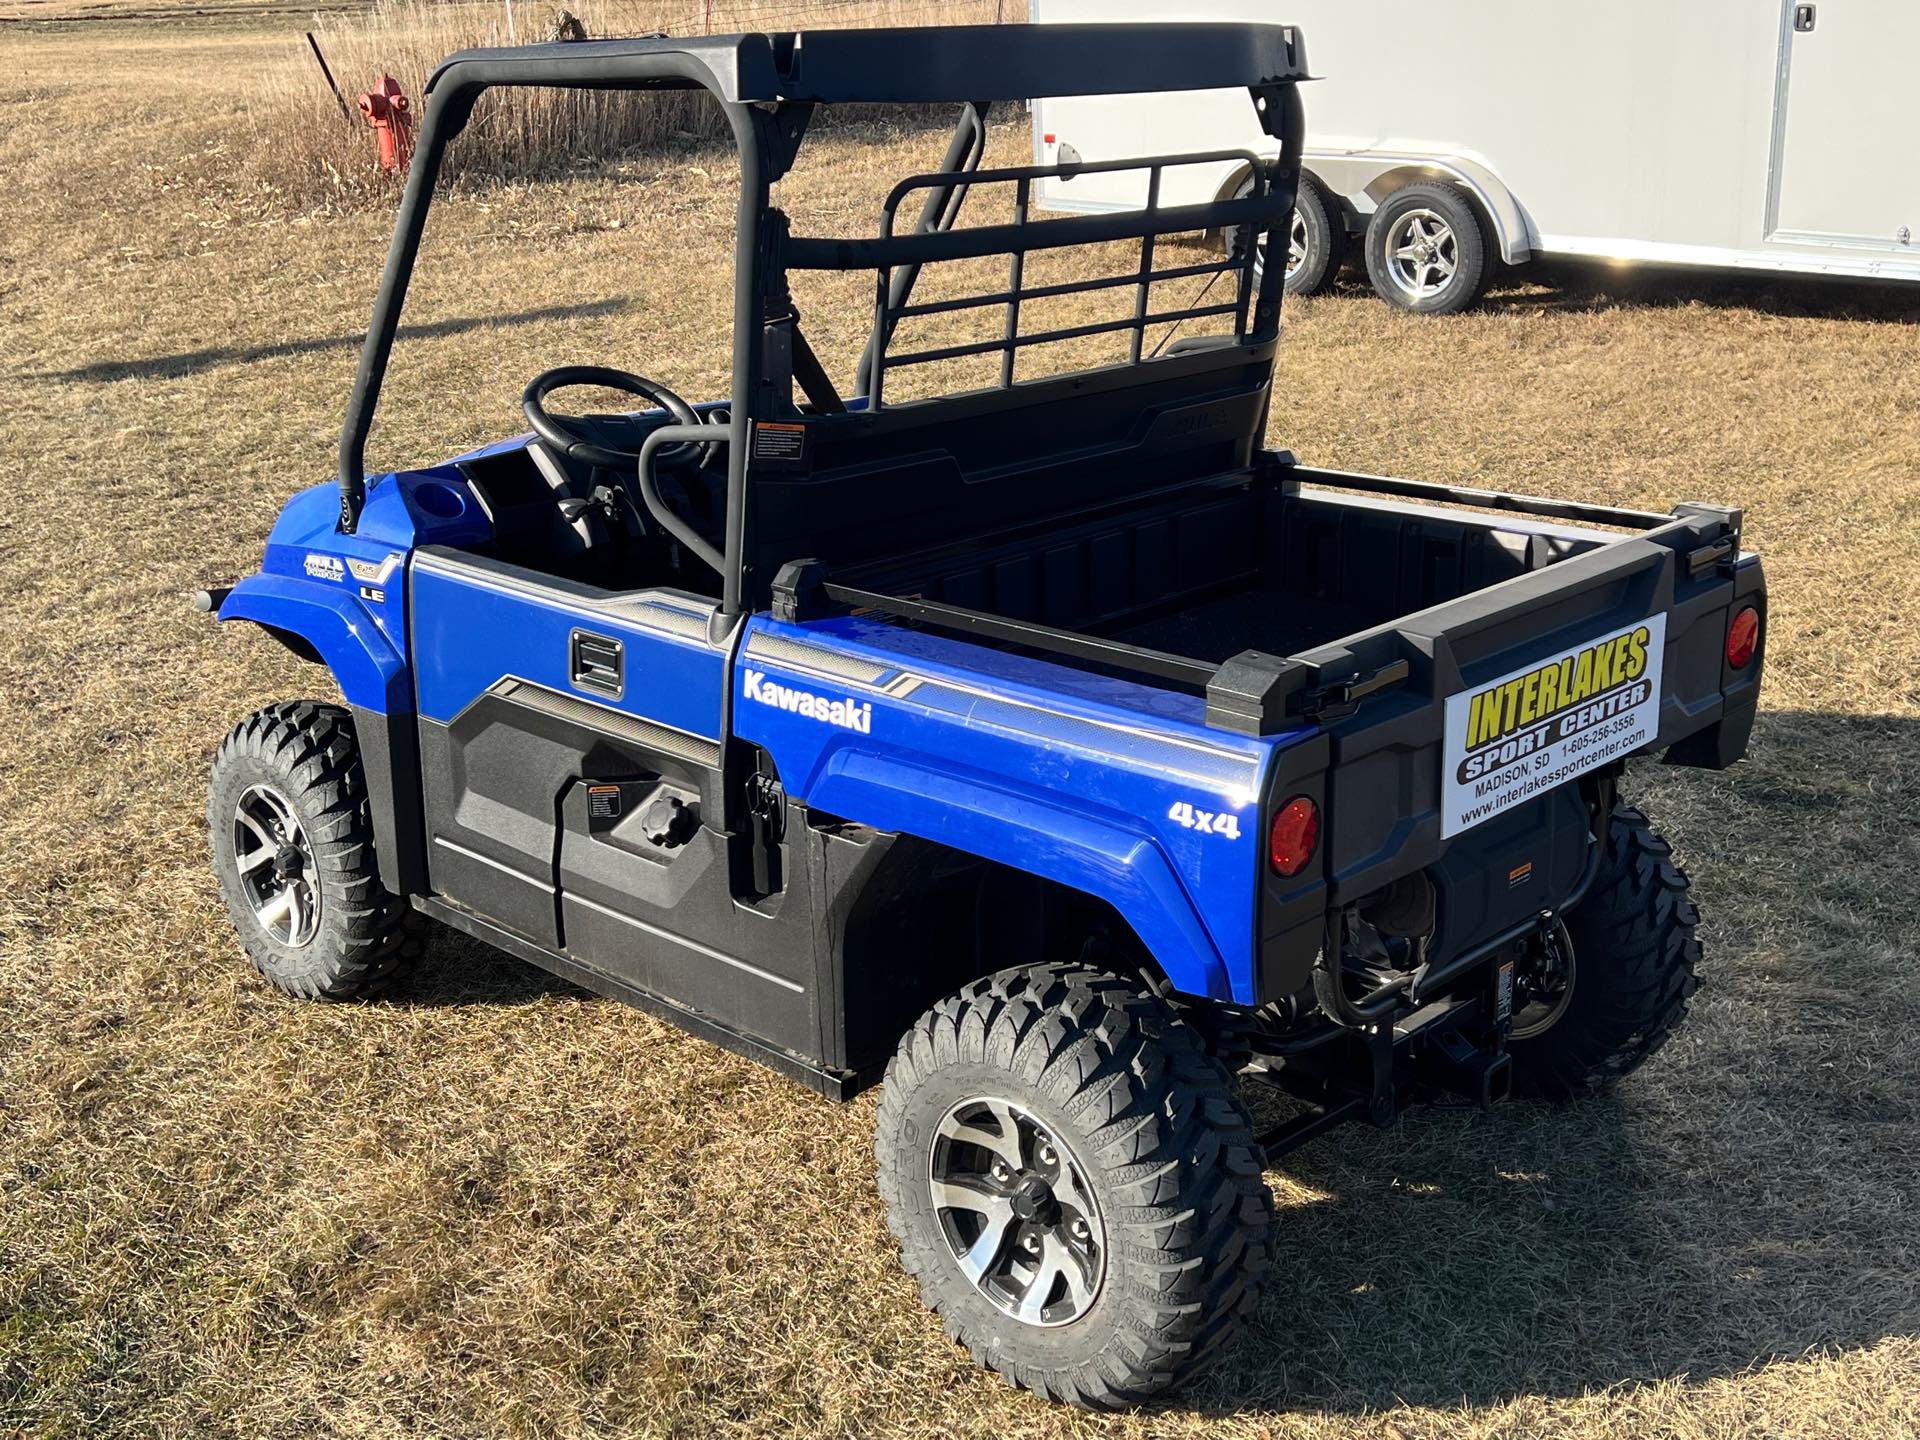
<point x="1277" y="560"/>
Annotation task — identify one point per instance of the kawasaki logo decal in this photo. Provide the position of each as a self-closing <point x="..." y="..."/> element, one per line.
<point x="848" y="713"/>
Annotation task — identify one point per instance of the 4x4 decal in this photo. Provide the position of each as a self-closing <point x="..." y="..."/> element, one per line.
<point x="1209" y="822"/>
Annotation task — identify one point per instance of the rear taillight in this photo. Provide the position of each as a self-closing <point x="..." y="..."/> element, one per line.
<point x="1296" y="830"/>
<point x="1743" y="637"/>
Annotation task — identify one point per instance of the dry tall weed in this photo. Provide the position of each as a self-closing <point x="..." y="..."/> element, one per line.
<point x="310" y="153"/>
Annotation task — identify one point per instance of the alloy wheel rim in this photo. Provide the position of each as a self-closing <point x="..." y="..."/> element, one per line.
<point x="1018" y="1215"/>
<point x="1296" y="248"/>
<point x="1544" y="989"/>
<point x="1423" y="254"/>
<point x="1296" y="243"/>
<point x="274" y="862"/>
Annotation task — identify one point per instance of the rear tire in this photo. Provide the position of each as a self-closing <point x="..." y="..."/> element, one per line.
<point x="1635" y="951"/>
<point x="1134" y="1161"/>
<point x="1427" y="251"/>
<point x="292" y="839"/>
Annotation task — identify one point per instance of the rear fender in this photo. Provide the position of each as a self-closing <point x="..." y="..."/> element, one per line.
<point x="1106" y="787"/>
<point x="1031" y="835"/>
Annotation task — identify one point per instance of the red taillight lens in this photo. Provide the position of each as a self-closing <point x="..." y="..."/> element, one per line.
<point x="1296" y="830"/>
<point x="1743" y="637"/>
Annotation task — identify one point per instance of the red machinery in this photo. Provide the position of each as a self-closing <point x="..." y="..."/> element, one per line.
<point x="387" y="111"/>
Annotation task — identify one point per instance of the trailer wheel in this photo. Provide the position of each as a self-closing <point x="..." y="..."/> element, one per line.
<point x="1074" y="1183"/>
<point x="1316" y="240"/>
<point x="293" y="851"/>
<point x="1427" y="251"/>
<point x="1619" y="987"/>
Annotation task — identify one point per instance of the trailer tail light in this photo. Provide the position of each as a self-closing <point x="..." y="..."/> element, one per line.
<point x="1743" y="637"/>
<point x="1296" y="830"/>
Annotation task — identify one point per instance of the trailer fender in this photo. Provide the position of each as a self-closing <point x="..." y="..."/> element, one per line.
<point x="1037" y="835"/>
<point x="335" y="626"/>
<point x="1365" y="180"/>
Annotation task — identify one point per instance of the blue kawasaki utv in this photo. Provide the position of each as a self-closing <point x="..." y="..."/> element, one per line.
<point x="1053" y="748"/>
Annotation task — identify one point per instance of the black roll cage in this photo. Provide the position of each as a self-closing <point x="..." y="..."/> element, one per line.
<point x="768" y="87"/>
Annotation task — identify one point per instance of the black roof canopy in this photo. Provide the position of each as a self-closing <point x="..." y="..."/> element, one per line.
<point x="924" y="64"/>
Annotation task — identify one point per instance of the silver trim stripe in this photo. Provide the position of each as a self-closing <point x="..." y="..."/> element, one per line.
<point x="816" y="659"/>
<point x="617" y="723"/>
<point x="1192" y="759"/>
<point x="1224" y="769"/>
<point x="663" y="613"/>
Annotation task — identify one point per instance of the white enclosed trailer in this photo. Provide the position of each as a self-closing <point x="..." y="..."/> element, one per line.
<point x="1448" y="135"/>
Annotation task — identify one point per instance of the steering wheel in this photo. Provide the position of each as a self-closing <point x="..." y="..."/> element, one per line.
<point x="557" y="435"/>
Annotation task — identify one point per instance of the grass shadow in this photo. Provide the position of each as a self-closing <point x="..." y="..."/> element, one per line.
<point x="1743" y="1200"/>
<point x="1560" y="285"/>
<point x="460" y="970"/>
<point x="1564" y="284"/>
<point x="192" y="362"/>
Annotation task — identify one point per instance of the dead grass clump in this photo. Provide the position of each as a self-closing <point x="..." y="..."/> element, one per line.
<point x="312" y="155"/>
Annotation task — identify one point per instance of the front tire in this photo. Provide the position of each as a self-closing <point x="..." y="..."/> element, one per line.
<point x="1634" y="952"/>
<point x="1427" y="251"/>
<point x="1074" y="1183"/>
<point x="292" y="837"/>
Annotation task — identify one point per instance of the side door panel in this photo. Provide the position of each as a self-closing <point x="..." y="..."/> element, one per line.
<point x="571" y="752"/>
<point x="516" y="704"/>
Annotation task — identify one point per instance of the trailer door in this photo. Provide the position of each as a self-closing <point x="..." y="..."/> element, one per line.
<point x="1846" y="126"/>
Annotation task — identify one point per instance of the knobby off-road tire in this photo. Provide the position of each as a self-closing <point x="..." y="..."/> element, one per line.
<point x="1635" y="952"/>
<point x="288" y="778"/>
<point x="1154" y="1161"/>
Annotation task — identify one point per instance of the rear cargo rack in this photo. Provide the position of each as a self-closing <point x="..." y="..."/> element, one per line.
<point x="896" y="258"/>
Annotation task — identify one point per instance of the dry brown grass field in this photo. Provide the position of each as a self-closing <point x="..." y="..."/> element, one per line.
<point x="492" y="1205"/>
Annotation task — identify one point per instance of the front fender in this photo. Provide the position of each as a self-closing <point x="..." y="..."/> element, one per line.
<point x="368" y="668"/>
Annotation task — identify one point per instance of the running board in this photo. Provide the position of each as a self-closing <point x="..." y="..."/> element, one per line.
<point x="834" y="1084"/>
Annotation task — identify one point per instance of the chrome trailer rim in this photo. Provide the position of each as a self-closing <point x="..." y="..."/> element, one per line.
<point x="274" y="862"/>
<point x="1423" y="253"/>
<point x="1017" y="1212"/>
<point x="1296" y="243"/>
<point x="1296" y="248"/>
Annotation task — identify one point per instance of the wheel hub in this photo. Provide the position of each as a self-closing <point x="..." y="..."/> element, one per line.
<point x="1032" y="1200"/>
<point x="1422" y="254"/>
<point x="1017" y="1212"/>
<point x="1543" y="986"/>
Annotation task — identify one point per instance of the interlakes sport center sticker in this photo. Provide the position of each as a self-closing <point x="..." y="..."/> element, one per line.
<point x="1511" y="739"/>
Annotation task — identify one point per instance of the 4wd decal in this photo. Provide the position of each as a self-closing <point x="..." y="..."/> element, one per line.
<point x="1539" y="727"/>
<point x="1207" y="822"/>
<point x="847" y="713"/>
<point x="325" y="567"/>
